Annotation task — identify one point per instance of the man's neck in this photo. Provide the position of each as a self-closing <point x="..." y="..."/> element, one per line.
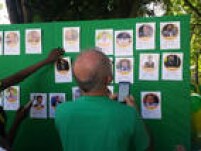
<point x="95" y="93"/>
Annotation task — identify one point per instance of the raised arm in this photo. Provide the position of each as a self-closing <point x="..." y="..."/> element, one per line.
<point x="21" y="75"/>
<point x="21" y="114"/>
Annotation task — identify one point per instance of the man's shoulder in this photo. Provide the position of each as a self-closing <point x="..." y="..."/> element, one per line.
<point x="106" y="105"/>
<point x="63" y="105"/>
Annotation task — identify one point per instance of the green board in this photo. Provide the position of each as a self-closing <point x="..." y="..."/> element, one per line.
<point x="171" y="130"/>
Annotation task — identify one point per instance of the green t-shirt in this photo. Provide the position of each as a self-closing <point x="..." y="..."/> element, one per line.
<point x="94" y="123"/>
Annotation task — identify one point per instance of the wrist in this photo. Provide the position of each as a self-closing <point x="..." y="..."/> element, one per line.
<point x="46" y="61"/>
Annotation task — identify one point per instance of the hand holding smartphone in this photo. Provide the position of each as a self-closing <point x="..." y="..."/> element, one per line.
<point x="124" y="91"/>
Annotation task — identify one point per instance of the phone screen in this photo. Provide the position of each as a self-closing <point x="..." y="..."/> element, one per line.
<point x="124" y="90"/>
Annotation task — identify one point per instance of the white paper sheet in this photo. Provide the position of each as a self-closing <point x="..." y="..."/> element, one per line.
<point x="12" y="98"/>
<point x="145" y="36"/>
<point x="33" y="41"/>
<point x="76" y="92"/>
<point x="124" y="70"/>
<point x="172" y="66"/>
<point x="170" y="35"/>
<point x="1" y="42"/>
<point x="149" y="67"/>
<point x="151" y="105"/>
<point x="39" y="105"/>
<point x="54" y="100"/>
<point x="124" y="43"/>
<point x="63" y="70"/>
<point x="11" y="43"/>
<point x="71" y="39"/>
<point x="104" y="41"/>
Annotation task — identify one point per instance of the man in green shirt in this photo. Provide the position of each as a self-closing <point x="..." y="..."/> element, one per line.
<point x="94" y="122"/>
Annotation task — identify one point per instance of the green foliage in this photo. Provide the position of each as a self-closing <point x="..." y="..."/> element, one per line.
<point x="82" y="10"/>
<point x="192" y="7"/>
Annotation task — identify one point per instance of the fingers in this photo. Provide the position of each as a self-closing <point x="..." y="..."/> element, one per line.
<point x="113" y="96"/>
<point x="130" y="101"/>
<point x="60" y="51"/>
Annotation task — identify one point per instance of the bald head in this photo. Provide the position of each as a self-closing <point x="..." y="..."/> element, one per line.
<point x="92" y="69"/>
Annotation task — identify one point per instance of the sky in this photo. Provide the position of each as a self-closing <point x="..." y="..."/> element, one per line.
<point x="4" y="19"/>
<point x="157" y="7"/>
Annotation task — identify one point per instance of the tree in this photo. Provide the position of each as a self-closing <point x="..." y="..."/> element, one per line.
<point x="42" y="10"/>
<point x="21" y="11"/>
<point x="178" y="7"/>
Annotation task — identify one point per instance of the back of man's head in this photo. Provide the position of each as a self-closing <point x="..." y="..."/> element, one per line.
<point x="92" y="70"/>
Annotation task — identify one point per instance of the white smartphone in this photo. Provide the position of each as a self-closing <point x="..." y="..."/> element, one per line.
<point x="124" y="90"/>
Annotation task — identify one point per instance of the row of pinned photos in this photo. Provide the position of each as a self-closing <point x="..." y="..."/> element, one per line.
<point x="40" y="103"/>
<point x="39" y="109"/>
<point x="145" y="38"/>
<point x="150" y="102"/>
<point x="172" y="67"/>
<point x="10" y="42"/>
<point x="10" y="101"/>
<point x="63" y="70"/>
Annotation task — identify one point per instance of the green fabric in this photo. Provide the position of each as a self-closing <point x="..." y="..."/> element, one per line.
<point x="99" y="124"/>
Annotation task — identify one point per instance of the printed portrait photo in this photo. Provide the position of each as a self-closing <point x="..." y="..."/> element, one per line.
<point x="38" y="102"/>
<point x="123" y="39"/>
<point x="149" y="63"/>
<point x="124" y="66"/>
<point x="151" y="101"/>
<point x="71" y="35"/>
<point x="11" y="94"/>
<point x="62" y="66"/>
<point x="71" y="39"/>
<point x="39" y="105"/>
<point x="145" y="31"/>
<point x="33" y="37"/>
<point x="1" y="38"/>
<point x="170" y="31"/>
<point x="76" y="92"/>
<point x="11" y="39"/>
<point x="104" y="39"/>
<point x="172" y="62"/>
<point x="56" y="100"/>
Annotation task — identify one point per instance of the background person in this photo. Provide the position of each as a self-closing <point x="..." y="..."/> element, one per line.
<point x="7" y="139"/>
